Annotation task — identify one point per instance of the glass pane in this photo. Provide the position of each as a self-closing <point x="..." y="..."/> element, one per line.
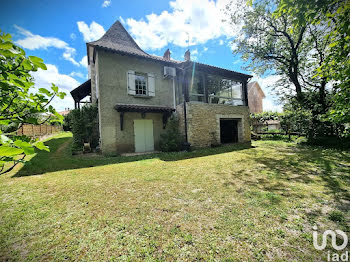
<point x="196" y="89"/>
<point x="196" y="86"/>
<point x="230" y="88"/>
<point x="140" y="84"/>
<point x="224" y="91"/>
<point x="213" y="85"/>
<point x="236" y="89"/>
<point x="197" y="97"/>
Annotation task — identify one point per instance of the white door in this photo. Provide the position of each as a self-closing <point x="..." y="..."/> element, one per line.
<point x="143" y="130"/>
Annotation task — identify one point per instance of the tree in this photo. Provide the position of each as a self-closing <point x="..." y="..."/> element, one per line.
<point x="336" y="66"/>
<point x="276" y="44"/>
<point x="21" y="102"/>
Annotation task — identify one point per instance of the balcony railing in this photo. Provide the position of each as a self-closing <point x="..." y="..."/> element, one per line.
<point x="214" y="99"/>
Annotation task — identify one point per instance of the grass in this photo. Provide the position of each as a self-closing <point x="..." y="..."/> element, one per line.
<point x="232" y="203"/>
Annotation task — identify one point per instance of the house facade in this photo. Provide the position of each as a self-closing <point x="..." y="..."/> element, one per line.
<point x="136" y="94"/>
<point x="255" y="97"/>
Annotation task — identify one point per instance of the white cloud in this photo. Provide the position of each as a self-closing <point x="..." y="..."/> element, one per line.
<point x="201" y="20"/>
<point x="84" y="62"/>
<point x="270" y="102"/>
<point x="221" y="42"/>
<point x="205" y="49"/>
<point x="33" y="42"/>
<point x="68" y="55"/>
<point x="92" y="32"/>
<point x="233" y="46"/>
<point x="122" y="20"/>
<point x="194" y="55"/>
<point x="66" y="83"/>
<point x="76" y="74"/>
<point x="106" y="3"/>
<point x="236" y="62"/>
<point x="73" y="36"/>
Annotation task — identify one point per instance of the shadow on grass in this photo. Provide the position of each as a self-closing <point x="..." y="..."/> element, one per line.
<point x="60" y="158"/>
<point x="303" y="164"/>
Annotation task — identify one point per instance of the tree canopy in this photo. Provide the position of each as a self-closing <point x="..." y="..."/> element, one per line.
<point x="301" y="43"/>
<point x="21" y="102"/>
<point x="334" y="16"/>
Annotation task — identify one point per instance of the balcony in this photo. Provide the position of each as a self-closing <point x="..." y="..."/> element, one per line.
<point x="211" y="89"/>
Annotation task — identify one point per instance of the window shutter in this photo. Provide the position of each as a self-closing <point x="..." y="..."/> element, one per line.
<point x="130" y="76"/>
<point x="151" y="84"/>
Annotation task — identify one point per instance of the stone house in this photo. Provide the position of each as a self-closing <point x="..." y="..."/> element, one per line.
<point x="137" y="92"/>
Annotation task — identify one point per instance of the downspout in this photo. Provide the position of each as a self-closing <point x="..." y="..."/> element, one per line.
<point x="245" y="90"/>
<point x="185" y="119"/>
<point x="185" y="90"/>
<point x="184" y="94"/>
<point x="174" y="98"/>
<point x="187" y="145"/>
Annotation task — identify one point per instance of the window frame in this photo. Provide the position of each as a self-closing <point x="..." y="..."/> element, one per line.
<point x="208" y="98"/>
<point x="230" y="99"/>
<point x="138" y="84"/>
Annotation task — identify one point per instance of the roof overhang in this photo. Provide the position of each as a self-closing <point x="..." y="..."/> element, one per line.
<point x="221" y="71"/>
<point x="81" y="91"/>
<point x="143" y="108"/>
<point x="149" y="58"/>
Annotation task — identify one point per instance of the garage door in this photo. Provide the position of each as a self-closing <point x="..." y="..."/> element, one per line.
<point x="143" y="130"/>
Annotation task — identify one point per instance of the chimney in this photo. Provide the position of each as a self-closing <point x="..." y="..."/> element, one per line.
<point x="166" y="55"/>
<point x="187" y="56"/>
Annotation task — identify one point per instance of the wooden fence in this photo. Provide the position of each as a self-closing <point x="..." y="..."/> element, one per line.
<point x="38" y="130"/>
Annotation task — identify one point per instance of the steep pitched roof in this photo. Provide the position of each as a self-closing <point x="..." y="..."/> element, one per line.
<point x="117" y="38"/>
<point x="257" y="86"/>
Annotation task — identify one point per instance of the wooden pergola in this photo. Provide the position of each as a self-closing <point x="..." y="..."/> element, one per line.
<point x="81" y="92"/>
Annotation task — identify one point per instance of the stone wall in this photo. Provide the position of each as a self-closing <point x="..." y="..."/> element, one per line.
<point x="203" y="122"/>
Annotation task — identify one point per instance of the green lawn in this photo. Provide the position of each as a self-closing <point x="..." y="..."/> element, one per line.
<point x="231" y="203"/>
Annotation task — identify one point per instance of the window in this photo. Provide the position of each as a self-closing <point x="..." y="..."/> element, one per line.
<point x="197" y="89"/>
<point x="140" y="84"/>
<point x="224" y="91"/>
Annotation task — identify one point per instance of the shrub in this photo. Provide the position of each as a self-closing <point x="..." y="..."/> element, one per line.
<point x="330" y="142"/>
<point x="84" y="123"/>
<point x="171" y="140"/>
<point x="67" y="122"/>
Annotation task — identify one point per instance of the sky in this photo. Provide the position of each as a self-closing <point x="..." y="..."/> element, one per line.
<point x="57" y="32"/>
